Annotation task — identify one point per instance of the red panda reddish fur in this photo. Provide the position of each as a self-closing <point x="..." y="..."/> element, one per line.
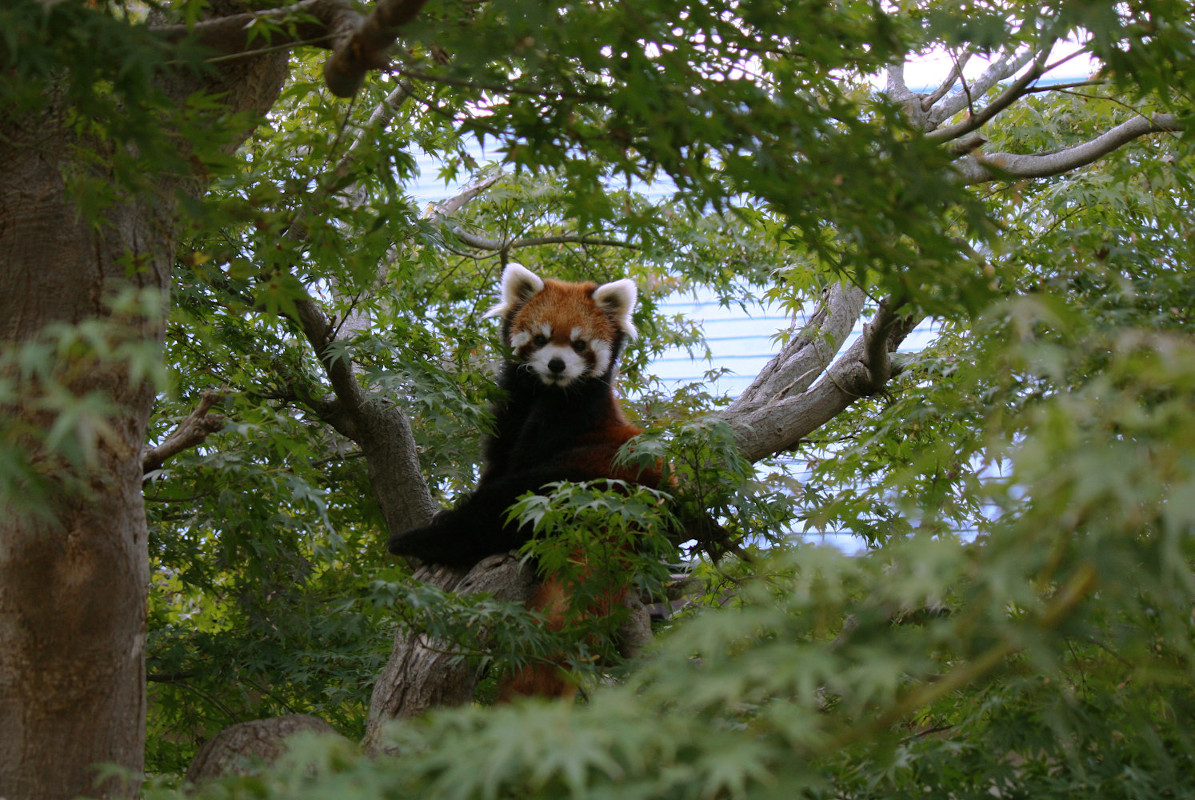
<point x="559" y="420"/>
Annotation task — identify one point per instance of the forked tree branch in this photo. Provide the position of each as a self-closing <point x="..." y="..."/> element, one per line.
<point x="1001" y="70"/>
<point x="806" y="355"/>
<point x="777" y="419"/>
<point x="1013" y="92"/>
<point x="956" y="72"/>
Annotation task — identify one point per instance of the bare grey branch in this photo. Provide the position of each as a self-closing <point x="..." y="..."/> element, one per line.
<point x="1010" y="95"/>
<point x="1001" y="70"/>
<point x="956" y="72"/>
<point x="797" y="393"/>
<point x="191" y="432"/>
<point x="981" y="168"/>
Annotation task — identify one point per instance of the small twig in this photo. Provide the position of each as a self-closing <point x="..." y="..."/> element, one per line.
<point x="967" y="94"/>
<point x="956" y="73"/>
<point x="261" y="51"/>
<point x="353" y="303"/>
<point x="1066" y="58"/>
<point x="1065" y="87"/>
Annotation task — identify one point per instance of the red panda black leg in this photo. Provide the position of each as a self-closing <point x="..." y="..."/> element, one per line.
<point x="462" y="536"/>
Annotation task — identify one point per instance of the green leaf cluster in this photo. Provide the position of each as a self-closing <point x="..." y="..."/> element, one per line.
<point x="56" y="416"/>
<point x="590" y="537"/>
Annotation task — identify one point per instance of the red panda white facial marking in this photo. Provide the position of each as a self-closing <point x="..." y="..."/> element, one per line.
<point x="548" y="341"/>
<point x="563" y="332"/>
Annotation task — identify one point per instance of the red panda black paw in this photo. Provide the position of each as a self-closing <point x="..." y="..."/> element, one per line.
<point x="431" y="544"/>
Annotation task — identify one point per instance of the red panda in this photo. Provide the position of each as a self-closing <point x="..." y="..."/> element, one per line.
<point x="558" y="420"/>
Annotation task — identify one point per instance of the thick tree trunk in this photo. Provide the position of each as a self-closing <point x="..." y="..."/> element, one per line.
<point x="74" y="574"/>
<point x="73" y="580"/>
<point x="422" y="674"/>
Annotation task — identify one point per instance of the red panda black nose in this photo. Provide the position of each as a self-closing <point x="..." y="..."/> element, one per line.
<point x="556" y="365"/>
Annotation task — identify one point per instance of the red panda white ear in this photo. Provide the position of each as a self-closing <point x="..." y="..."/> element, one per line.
<point x="518" y="285"/>
<point x="618" y="300"/>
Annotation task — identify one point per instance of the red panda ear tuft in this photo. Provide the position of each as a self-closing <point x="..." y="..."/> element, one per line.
<point x="618" y="300"/>
<point x="518" y="285"/>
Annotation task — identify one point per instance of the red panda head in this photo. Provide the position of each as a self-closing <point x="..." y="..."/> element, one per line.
<point x="564" y="332"/>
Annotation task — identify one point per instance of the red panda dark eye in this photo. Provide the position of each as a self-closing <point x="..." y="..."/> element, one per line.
<point x="579" y="346"/>
<point x="540" y="340"/>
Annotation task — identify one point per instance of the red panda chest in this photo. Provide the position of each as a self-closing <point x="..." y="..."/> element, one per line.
<point x="562" y="336"/>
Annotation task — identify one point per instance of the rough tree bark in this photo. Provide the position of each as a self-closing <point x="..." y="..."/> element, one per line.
<point x="422" y="675"/>
<point x="72" y="587"/>
<point x="237" y="749"/>
<point x="73" y="581"/>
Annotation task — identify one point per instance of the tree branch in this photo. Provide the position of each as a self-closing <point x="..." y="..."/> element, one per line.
<point x="440" y="212"/>
<point x="999" y="71"/>
<point x="376" y="424"/>
<point x="771" y="424"/>
<point x="359" y="44"/>
<point x="807" y="355"/>
<point x="190" y="432"/>
<point x="897" y="89"/>
<point x="500" y="245"/>
<point x="956" y="72"/>
<point x="421" y="676"/>
<point x="887" y="329"/>
<point x="320" y="23"/>
<point x="1010" y="95"/>
<point x="366" y="49"/>
<point x="981" y="168"/>
<point x="454" y="204"/>
<point x="318" y="330"/>
<point x="895" y="85"/>
<point x="380" y="117"/>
